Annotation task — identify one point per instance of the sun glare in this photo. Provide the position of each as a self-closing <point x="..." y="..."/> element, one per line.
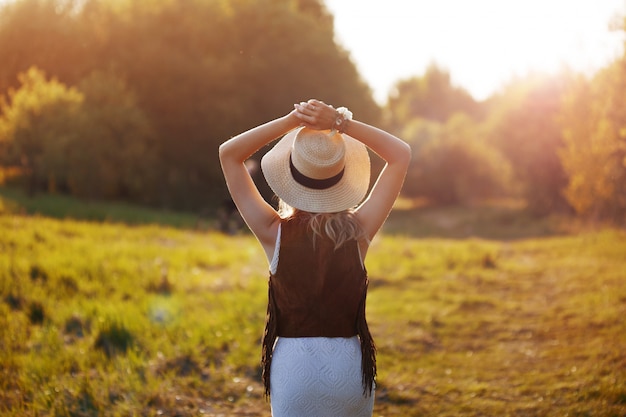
<point x="483" y="43"/>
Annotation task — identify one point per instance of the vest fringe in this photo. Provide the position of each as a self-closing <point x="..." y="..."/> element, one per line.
<point x="368" y="349"/>
<point x="269" y="338"/>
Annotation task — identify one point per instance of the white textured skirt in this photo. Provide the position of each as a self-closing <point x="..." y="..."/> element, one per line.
<point x="318" y="377"/>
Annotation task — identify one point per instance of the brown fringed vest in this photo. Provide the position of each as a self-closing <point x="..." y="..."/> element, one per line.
<point x="317" y="291"/>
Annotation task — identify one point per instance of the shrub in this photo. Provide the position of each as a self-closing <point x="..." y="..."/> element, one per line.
<point x="456" y="166"/>
<point x="36" y="312"/>
<point x="114" y="338"/>
<point x="76" y="326"/>
<point x="36" y="128"/>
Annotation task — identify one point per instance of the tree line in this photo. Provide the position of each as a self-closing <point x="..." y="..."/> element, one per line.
<point x="557" y="141"/>
<point x="130" y="100"/>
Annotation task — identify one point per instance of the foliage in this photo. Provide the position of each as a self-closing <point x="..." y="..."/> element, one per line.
<point x="463" y="327"/>
<point x="199" y="71"/>
<point x="452" y="165"/>
<point x="138" y="95"/>
<point x="524" y="126"/>
<point x="594" y="123"/>
<point x="115" y="152"/>
<point x="36" y="127"/>
<point x="93" y="142"/>
<point x="431" y="97"/>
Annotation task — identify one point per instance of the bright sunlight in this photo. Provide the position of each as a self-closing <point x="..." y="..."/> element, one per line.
<point x="482" y="43"/>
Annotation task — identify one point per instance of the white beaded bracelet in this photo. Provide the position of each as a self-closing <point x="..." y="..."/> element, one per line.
<point x="343" y="118"/>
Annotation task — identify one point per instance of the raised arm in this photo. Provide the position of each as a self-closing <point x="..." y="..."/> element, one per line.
<point x="373" y="212"/>
<point x="260" y="217"/>
<point x="397" y="154"/>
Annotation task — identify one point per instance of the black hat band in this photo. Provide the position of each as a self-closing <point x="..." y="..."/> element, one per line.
<point x="313" y="183"/>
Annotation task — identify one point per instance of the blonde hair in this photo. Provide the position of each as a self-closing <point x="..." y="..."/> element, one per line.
<point x="339" y="227"/>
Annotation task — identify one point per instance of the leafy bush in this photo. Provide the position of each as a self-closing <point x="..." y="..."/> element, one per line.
<point x="524" y="127"/>
<point x="93" y="141"/>
<point x="36" y="127"/>
<point x="594" y="156"/>
<point x="455" y="166"/>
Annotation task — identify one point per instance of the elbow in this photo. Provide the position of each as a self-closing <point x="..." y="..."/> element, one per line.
<point x="401" y="158"/>
<point x="405" y="155"/>
<point x="230" y="154"/>
<point x="408" y="151"/>
<point x="223" y="151"/>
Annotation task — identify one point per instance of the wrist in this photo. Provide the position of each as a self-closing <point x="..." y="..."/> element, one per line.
<point x="343" y="117"/>
<point x="291" y="121"/>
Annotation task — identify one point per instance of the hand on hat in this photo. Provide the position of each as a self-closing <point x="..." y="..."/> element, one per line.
<point x="316" y="114"/>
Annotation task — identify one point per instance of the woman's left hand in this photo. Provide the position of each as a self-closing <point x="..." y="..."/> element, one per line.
<point x="316" y="114"/>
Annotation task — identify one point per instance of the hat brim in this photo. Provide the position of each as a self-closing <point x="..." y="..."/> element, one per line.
<point x="344" y="195"/>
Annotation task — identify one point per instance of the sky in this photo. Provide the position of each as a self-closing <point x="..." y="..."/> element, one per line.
<point x="483" y="44"/>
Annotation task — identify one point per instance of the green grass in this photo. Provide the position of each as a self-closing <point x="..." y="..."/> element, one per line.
<point x="531" y="328"/>
<point x="132" y="316"/>
<point x="107" y="319"/>
<point x="64" y="207"/>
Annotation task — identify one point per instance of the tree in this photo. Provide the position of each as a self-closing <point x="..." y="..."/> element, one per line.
<point x="200" y="71"/>
<point x="452" y="165"/>
<point x="205" y="71"/>
<point x="431" y="97"/>
<point x="594" y="123"/>
<point x="93" y="142"/>
<point x="524" y="127"/>
<point x="113" y="153"/>
<point x="34" y="127"/>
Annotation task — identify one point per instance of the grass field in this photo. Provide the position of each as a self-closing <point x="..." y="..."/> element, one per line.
<point x="520" y="317"/>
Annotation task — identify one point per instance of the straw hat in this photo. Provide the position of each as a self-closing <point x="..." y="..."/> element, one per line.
<point x="318" y="171"/>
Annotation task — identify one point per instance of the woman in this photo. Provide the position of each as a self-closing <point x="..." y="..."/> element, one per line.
<point x="318" y="354"/>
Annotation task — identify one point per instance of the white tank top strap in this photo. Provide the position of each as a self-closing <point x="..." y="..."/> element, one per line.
<point x="274" y="260"/>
